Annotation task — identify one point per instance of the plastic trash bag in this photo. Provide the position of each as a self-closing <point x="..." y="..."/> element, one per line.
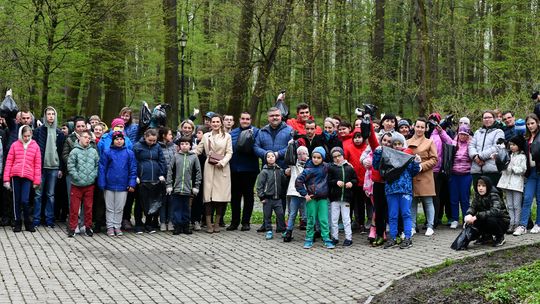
<point x="280" y="104"/>
<point x="151" y="196"/>
<point x="290" y="153"/>
<point x="8" y="107"/>
<point x="467" y="235"/>
<point x="144" y="117"/>
<point x="393" y="163"/>
<point x="246" y="141"/>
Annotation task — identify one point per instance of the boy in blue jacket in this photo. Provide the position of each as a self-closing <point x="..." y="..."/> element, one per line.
<point x="313" y="185"/>
<point x="112" y="178"/>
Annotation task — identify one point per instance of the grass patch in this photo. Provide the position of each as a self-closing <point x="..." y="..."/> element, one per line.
<point x="521" y="285"/>
<point x="434" y="269"/>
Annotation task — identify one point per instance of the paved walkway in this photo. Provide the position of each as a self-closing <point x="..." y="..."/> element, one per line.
<point x="233" y="267"/>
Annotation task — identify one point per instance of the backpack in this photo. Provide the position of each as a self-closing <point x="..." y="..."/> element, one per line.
<point x="246" y="141"/>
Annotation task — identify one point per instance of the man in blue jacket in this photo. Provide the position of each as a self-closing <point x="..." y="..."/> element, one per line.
<point x="244" y="171"/>
<point x="273" y="137"/>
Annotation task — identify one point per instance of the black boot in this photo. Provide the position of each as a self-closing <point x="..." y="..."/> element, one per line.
<point x="187" y="229"/>
<point x="29" y="226"/>
<point x="177" y="230"/>
<point x="17" y="227"/>
<point x="288" y="236"/>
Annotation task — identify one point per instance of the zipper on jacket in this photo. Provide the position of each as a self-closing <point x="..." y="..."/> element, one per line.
<point x="183" y="172"/>
<point x="483" y="143"/>
<point x="24" y="160"/>
<point x="275" y="185"/>
<point x="343" y="188"/>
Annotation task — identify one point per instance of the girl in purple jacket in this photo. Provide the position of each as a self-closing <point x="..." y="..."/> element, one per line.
<point x="460" y="177"/>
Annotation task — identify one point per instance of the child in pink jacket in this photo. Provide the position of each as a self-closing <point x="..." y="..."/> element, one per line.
<point x="23" y="169"/>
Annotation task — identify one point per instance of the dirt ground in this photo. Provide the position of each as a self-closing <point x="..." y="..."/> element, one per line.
<point x="455" y="283"/>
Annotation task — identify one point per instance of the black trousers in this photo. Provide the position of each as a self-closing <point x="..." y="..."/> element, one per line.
<point x="129" y="204"/>
<point x="242" y="184"/>
<point x="360" y="203"/>
<point x="492" y="226"/>
<point x="441" y="201"/>
<point x="381" y="208"/>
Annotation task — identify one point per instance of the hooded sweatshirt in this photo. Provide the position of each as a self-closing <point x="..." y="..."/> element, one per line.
<point x="50" y="140"/>
<point x="488" y="205"/>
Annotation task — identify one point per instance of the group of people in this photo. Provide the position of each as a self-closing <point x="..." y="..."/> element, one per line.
<point x="367" y="177"/>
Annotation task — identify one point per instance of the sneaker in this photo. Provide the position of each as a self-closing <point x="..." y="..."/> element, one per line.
<point x="484" y="239"/>
<point x="163" y="227"/>
<point x="177" y="230"/>
<point x="262" y="228"/>
<point x="399" y="239"/>
<point x="50" y="226"/>
<point x="82" y="230"/>
<point x="77" y="230"/>
<point x="407" y="243"/>
<point x="288" y="236"/>
<point x="150" y="229"/>
<point x="71" y="233"/>
<point x="454" y="225"/>
<point x="378" y="242"/>
<point x="499" y="241"/>
<point x="170" y="227"/>
<point x="335" y="241"/>
<point x="329" y="244"/>
<point x="308" y="244"/>
<point x="232" y="228"/>
<point x="89" y="232"/>
<point x="413" y="231"/>
<point x="197" y="226"/>
<point x="390" y="243"/>
<point x="186" y="229"/>
<point x="118" y="232"/>
<point x="245" y="227"/>
<point x="362" y="229"/>
<point x="110" y="232"/>
<point x="139" y="230"/>
<point x="269" y="235"/>
<point x="302" y="225"/>
<point x="126" y="225"/>
<point x="535" y="229"/>
<point x="429" y="232"/>
<point x="372" y="233"/>
<point x="520" y="230"/>
<point x="347" y="243"/>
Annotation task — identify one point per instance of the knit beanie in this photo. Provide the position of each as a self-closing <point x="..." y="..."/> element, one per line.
<point x="396" y="137"/>
<point x="403" y="122"/>
<point x="116" y="122"/>
<point x="117" y="134"/>
<point x="319" y="150"/>
<point x="302" y="149"/>
<point x="465" y="120"/>
<point x="336" y="149"/>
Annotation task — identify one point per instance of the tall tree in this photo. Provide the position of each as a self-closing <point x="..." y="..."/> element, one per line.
<point x="171" y="60"/>
<point x="378" y="53"/>
<point x="423" y="76"/>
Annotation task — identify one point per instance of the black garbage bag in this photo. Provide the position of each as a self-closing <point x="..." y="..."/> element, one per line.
<point x="280" y="104"/>
<point x="290" y="153"/>
<point x="145" y="116"/>
<point x="159" y="116"/>
<point x="8" y="107"/>
<point x="393" y="163"/>
<point x="151" y="197"/>
<point x="502" y="159"/>
<point x="365" y="128"/>
<point x="467" y="235"/>
<point x="246" y="141"/>
<point x="449" y="152"/>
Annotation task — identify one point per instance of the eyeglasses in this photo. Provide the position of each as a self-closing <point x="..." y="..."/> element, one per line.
<point x="336" y="156"/>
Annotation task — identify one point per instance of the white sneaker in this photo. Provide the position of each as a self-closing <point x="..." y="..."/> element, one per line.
<point x="520" y="230"/>
<point x="535" y="229"/>
<point x="429" y="232"/>
<point x="413" y="231"/>
<point x="197" y="226"/>
<point x="170" y="227"/>
<point x="163" y="227"/>
<point x="454" y="225"/>
<point x="77" y="230"/>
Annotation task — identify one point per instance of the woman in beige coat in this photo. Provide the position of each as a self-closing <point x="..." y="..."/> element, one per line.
<point x="217" y="178"/>
<point x="423" y="183"/>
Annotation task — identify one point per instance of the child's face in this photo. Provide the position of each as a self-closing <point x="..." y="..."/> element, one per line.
<point x="150" y="140"/>
<point x="342" y="131"/>
<point x="27" y="136"/>
<point x="65" y="130"/>
<point x="397" y="145"/>
<point x="169" y="136"/>
<point x="302" y="155"/>
<point x="199" y="134"/>
<point x="358" y="140"/>
<point x="513" y="147"/>
<point x="481" y="188"/>
<point x="98" y="131"/>
<point x="386" y="141"/>
<point x="316" y="159"/>
<point x="119" y="142"/>
<point x="337" y="157"/>
<point x="185" y="146"/>
<point x="270" y="158"/>
<point x="84" y="140"/>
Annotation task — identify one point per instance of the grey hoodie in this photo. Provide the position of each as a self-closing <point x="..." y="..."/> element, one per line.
<point x="184" y="166"/>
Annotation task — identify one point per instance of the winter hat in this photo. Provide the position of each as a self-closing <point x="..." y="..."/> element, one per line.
<point x="465" y="120"/>
<point x="319" y="150"/>
<point x="464" y="130"/>
<point x="403" y="122"/>
<point x="397" y="137"/>
<point x="520" y="127"/>
<point x="534" y="95"/>
<point x="302" y="149"/>
<point x="519" y="141"/>
<point x="117" y="134"/>
<point x="116" y="122"/>
<point x="209" y="114"/>
<point x="435" y="116"/>
<point x="336" y="149"/>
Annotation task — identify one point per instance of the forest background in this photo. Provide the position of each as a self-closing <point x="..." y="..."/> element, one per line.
<point x="407" y="56"/>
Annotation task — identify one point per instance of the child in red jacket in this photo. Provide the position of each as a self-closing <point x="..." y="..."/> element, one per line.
<point x="23" y="169"/>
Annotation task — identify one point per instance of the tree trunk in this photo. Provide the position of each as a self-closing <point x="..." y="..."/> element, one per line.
<point x="171" y="61"/>
<point x="94" y="96"/>
<point x="307" y="37"/>
<point x="268" y="61"/>
<point x="205" y="84"/>
<point x="243" y="60"/>
<point x="423" y="77"/>
<point x="499" y="47"/>
<point x="73" y="87"/>
<point x="378" y="54"/>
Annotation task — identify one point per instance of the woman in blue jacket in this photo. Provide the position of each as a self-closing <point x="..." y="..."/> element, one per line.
<point x="151" y="172"/>
<point x="112" y="178"/>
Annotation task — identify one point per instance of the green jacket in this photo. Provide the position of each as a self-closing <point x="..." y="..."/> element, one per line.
<point x="184" y="173"/>
<point x="83" y="165"/>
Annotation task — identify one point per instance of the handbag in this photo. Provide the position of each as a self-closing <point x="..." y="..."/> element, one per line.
<point x="213" y="158"/>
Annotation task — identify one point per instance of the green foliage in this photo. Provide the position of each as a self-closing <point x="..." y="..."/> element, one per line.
<point x="521" y="285"/>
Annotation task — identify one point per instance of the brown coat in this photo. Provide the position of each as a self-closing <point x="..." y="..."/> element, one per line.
<point x="423" y="182"/>
<point x="216" y="181"/>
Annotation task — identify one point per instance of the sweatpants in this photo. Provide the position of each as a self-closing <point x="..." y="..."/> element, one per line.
<point x="21" y="198"/>
<point x="513" y="204"/>
<point x="460" y="193"/>
<point x="343" y="208"/>
<point x="317" y="209"/>
<point x="399" y="205"/>
<point x="181" y="215"/>
<point x="114" y="204"/>
<point x="78" y="195"/>
<point x="275" y="205"/>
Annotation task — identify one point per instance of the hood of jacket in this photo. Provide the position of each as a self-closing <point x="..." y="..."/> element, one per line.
<point x="55" y="122"/>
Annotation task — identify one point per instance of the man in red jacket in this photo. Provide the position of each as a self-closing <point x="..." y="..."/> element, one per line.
<point x="302" y="116"/>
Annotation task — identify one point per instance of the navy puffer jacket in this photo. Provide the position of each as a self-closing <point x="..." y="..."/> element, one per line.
<point x="150" y="162"/>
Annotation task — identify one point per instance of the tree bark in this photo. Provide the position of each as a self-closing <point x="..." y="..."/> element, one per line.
<point x="423" y="76"/>
<point x="171" y="61"/>
<point x="378" y="53"/>
<point x="73" y="87"/>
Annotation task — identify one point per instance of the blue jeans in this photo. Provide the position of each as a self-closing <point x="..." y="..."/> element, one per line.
<point x="429" y="210"/>
<point x="297" y="203"/>
<point x="460" y="186"/>
<point x="532" y="189"/>
<point x="396" y="203"/>
<point x="166" y="212"/>
<point x="21" y="192"/>
<point x="181" y="215"/>
<point x="48" y="182"/>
